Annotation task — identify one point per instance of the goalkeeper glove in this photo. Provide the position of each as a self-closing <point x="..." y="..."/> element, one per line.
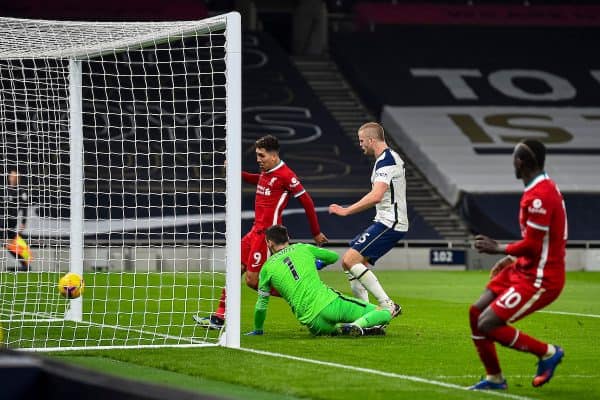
<point x="320" y="264"/>
<point x="258" y="332"/>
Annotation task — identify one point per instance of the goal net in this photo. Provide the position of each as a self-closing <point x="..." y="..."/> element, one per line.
<point x="113" y="149"/>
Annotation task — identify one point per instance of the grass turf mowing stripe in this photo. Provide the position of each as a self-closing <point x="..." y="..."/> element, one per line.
<point x="160" y="376"/>
<point x="386" y="374"/>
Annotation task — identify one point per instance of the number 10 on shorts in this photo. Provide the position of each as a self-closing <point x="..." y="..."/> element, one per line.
<point x="510" y="299"/>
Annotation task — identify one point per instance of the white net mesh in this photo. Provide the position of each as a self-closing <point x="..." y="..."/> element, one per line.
<point x="153" y="101"/>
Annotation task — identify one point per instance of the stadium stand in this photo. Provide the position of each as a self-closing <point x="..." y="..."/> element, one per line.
<point x="323" y="75"/>
<point x="409" y="94"/>
<point x="457" y="105"/>
<point x="369" y="15"/>
<point x="278" y="100"/>
<point x="494" y="214"/>
<point x="135" y="10"/>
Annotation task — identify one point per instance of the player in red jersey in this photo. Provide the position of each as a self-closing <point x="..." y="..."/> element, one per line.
<point x="275" y="184"/>
<point x="530" y="277"/>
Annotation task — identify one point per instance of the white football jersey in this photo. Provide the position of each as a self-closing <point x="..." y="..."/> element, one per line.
<point x="391" y="210"/>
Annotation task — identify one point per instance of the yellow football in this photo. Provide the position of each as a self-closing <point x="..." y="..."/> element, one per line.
<point x="71" y="285"/>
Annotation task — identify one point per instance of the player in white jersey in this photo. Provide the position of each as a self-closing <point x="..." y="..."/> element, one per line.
<point x="388" y="195"/>
<point x="391" y="210"/>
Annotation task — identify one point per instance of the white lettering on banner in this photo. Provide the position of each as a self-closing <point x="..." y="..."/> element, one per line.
<point x="453" y="79"/>
<point x="254" y="57"/>
<point x="595" y="74"/>
<point x="291" y="125"/>
<point x="503" y="81"/>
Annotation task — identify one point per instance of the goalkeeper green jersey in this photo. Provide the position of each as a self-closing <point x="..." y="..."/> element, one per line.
<point x="292" y="272"/>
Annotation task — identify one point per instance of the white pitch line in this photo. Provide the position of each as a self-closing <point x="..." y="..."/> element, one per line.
<point x="117" y="328"/>
<point x="575" y="376"/>
<point x="10" y="311"/>
<point x="386" y="374"/>
<point x="571" y="313"/>
<point x="150" y="333"/>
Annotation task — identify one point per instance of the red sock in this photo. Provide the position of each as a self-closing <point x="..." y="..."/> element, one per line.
<point x="275" y="293"/>
<point x="221" y="309"/>
<point x="511" y="337"/>
<point x="485" y="346"/>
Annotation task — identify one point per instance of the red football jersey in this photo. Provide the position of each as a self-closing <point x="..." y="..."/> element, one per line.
<point x="542" y="207"/>
<point x="273" y="192"/>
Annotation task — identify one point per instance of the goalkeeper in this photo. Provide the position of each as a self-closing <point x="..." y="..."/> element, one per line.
<point x="291" y="271"/>
<point x="14" y="201"/>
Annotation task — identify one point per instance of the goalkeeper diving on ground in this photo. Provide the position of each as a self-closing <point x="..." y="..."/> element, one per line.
<point x="291" y="271"/>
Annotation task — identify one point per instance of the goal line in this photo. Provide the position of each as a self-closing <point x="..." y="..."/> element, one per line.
<point x="41" y="317"/>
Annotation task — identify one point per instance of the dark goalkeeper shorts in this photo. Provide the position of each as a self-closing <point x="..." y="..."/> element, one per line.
<point x="343" y="309"/>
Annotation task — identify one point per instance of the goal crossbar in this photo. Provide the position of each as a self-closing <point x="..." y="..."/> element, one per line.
<point x="146" y="34"/>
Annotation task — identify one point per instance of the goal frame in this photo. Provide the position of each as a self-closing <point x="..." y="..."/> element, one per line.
<point x="231" y="24"/>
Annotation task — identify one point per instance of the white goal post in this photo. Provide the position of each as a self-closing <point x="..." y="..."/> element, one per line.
<point x="125" y="138"/>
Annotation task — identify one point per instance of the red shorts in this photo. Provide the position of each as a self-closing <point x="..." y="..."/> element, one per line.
<point x="254" y="250"/>
<point x="516" y="297"/>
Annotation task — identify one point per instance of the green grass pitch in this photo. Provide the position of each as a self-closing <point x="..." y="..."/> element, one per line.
<point x="127" y="309"/>
<point x="430" y="341"/>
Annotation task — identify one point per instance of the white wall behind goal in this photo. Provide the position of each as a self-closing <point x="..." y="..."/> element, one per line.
<point x="195" y="259"/>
